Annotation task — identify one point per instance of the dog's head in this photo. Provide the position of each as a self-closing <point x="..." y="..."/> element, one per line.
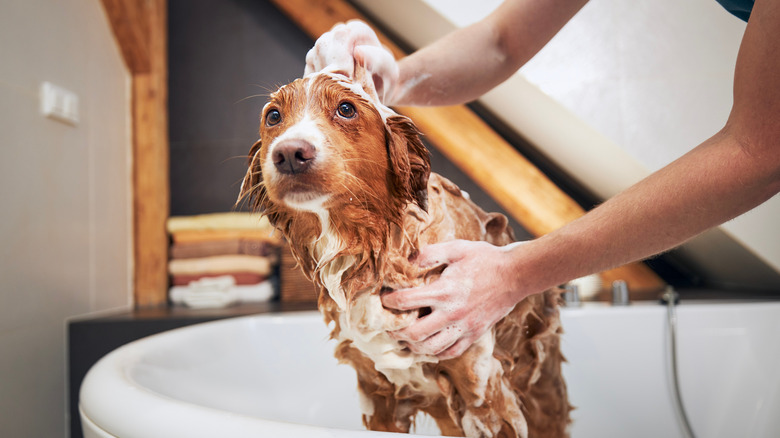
<point x="327" y="146"/>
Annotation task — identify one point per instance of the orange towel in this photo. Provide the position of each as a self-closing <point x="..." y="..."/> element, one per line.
<point x="221" y="264"/>
<point x="191" y="236"/>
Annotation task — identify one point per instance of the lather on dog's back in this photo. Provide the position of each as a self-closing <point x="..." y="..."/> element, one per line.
<point x="348" y="183"/>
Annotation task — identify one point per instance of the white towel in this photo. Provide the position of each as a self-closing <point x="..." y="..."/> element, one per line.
<point x="215" y="292"/>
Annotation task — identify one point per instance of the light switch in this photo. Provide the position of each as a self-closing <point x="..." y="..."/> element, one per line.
<point x="59" y="104"/>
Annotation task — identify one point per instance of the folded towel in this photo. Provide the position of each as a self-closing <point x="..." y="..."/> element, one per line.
<point x="192" y="236"/>
<point x="206" y="293"/>
<point x="242" y="246"/>
<point x="219" y="292"/>
<point x="221" y="264"/>
<point x="240" y="278"/>
<point x="216" y="221"/>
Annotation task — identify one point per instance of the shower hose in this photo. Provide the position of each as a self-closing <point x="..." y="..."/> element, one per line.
<point x="670" y="298"/>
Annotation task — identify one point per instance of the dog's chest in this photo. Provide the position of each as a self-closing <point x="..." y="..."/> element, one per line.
<point x="363" y="321"/>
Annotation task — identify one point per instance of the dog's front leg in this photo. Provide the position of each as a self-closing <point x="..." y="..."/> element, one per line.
<point x="382" y="410"/>
<point x="479" y="395"/>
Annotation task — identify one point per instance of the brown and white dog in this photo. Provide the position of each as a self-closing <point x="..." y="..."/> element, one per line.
<point x="348" y="183"/>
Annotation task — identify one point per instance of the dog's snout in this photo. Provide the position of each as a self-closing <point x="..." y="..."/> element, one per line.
<point x="293" y="156"/>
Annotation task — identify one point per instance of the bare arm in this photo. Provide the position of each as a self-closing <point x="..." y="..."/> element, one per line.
<point x="459" y="67"/>
<point x="727" y="175"/>
<point x="465" y="64"/>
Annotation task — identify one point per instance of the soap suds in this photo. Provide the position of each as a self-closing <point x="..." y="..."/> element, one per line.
<point x="367" y="325"/>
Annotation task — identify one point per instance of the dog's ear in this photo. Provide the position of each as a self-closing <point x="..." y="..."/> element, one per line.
<point x="497" y="229"/>
<point x="409" y="160"/>
<point x="362" y="77"/>
<point x="252" y="187"/>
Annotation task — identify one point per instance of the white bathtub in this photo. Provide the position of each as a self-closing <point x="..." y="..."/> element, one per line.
<point x="275" y="376"/>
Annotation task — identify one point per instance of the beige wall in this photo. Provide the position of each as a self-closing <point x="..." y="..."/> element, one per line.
<point x="65" y="231"/>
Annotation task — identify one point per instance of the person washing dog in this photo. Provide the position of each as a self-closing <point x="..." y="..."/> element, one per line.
<point x="732" y="172"/>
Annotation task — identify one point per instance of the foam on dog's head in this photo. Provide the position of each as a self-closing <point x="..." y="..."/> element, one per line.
<point x="361" y="84"/>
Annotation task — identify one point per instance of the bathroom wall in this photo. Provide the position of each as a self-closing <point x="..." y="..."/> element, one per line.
<point x="224" y="57"/>
<point x="622" y="90"/>
<point x="65" y="193"/>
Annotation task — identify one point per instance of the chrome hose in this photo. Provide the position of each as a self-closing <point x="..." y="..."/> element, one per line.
<point x="670" y="297"/>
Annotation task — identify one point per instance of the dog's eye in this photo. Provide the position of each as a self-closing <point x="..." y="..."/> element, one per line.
<point x="347" y="110"/>
<point x="273" y="117"/>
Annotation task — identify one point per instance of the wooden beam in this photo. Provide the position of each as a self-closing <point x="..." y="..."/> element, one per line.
<point x="130" y="23"/>
<point x="524" y="191"/>
<point x="151" y="195"/>
<point x="140" y="28"/>
<point x="516" y="184"/>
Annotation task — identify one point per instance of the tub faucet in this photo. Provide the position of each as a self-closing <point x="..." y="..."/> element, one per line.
<point x="571" y="295"/>
<point x="619" y="293"/>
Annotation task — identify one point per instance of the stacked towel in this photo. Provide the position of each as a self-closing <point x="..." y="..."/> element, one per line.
<point x="221" y="259"/>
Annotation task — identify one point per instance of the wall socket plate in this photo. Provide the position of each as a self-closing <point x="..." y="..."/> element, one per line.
<point x="59" y="104"/>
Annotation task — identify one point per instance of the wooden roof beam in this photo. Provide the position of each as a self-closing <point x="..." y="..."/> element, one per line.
<point x="130" y="22"/>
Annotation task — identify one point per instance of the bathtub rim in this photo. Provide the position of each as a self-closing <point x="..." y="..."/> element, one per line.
<point x="98" y="397"/>
<point x="108" y="385"/>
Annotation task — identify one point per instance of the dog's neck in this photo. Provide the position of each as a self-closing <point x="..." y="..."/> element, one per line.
<point x="331" y="259"/>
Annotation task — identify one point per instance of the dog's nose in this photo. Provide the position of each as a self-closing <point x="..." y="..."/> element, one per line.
<point x="293" y="156"/>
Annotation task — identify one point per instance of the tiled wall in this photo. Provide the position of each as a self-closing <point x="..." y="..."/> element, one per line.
<point x="225" y="58"/>
<point x="65" y="194"/>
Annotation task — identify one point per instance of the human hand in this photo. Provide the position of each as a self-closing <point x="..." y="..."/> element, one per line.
<point x="346" y="44"/>
<point x="477" y="288"/>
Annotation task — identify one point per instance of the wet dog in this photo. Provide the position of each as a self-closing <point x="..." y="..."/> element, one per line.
<point x="348" y="183"/>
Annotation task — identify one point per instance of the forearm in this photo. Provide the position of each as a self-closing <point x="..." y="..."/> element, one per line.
<point x="482" y="283"/>
<point x="712" y="184"/>
<point x="469" y="62"/>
